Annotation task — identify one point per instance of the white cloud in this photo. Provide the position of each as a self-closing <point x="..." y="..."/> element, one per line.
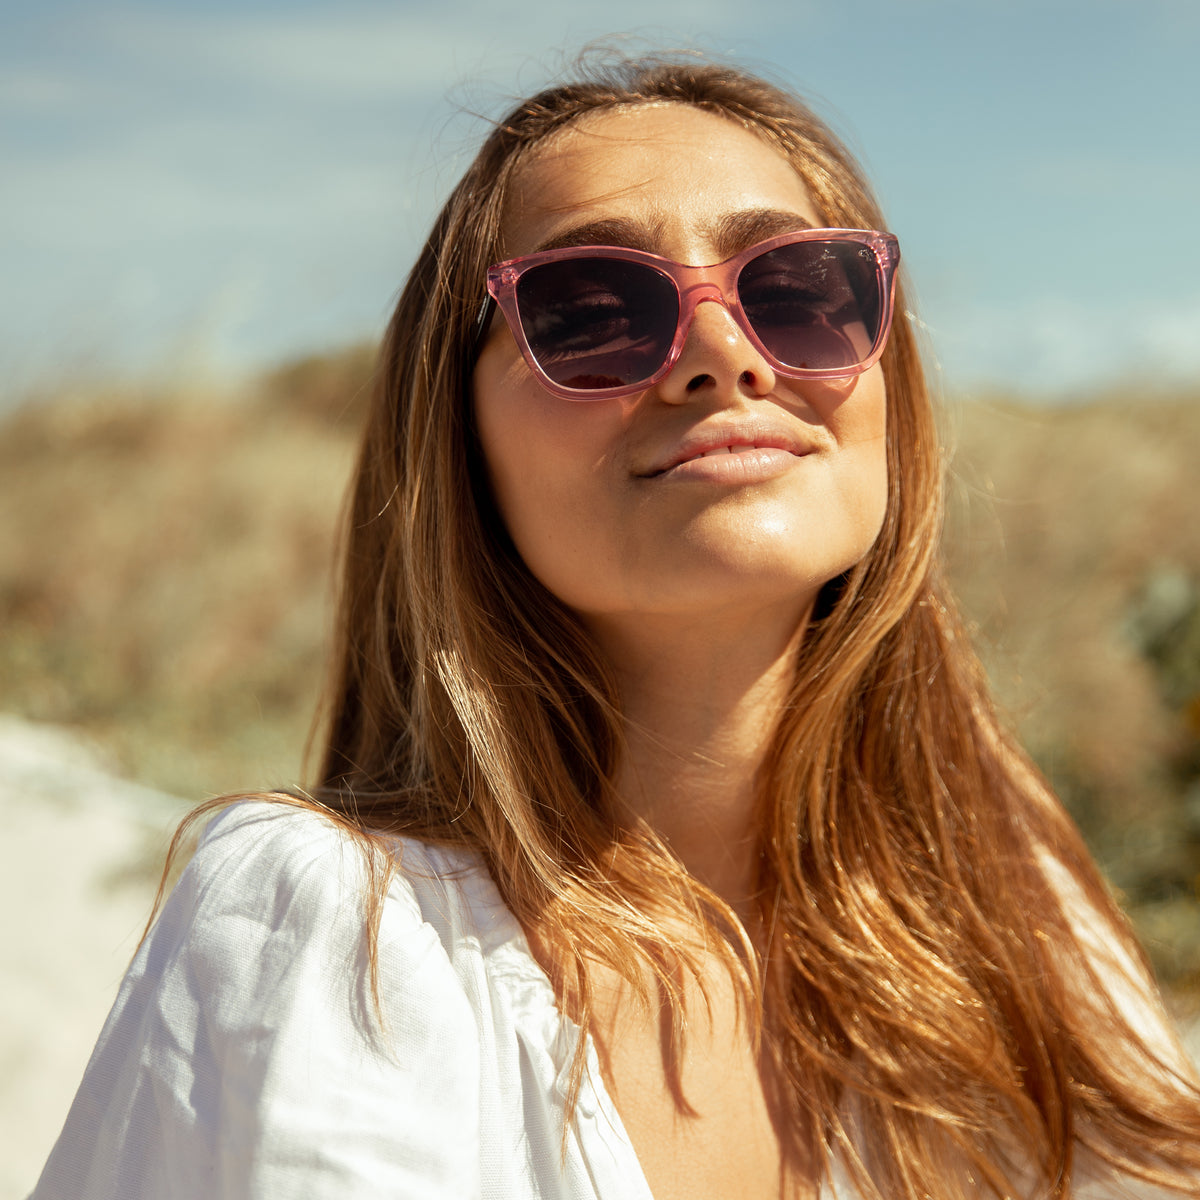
<point x="33" y="89"/>
<point x="1061" y="343"/>
<point x="1079" y="176"/>
<point x="397" y="51"/>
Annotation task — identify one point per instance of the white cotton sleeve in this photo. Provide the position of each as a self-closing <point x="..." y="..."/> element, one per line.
<point x="1123" y="980"/>
<point x="240" y="1058"/>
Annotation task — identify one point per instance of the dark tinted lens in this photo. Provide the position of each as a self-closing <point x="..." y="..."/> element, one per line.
<point x="815" y="305"/>
<point x="596" y="323"/>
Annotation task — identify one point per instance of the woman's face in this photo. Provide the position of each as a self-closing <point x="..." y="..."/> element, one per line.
<point x="587" y="490"/>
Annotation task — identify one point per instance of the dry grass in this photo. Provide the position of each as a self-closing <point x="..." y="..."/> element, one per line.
<point x="1074" y="545"/>
<point x="165" y="572"/>
<point x="165" y="586"/>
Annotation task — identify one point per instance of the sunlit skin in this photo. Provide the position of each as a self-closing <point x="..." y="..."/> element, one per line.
<point x="696" y="581"/>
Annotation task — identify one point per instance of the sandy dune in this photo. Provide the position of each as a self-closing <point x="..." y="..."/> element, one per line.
<point x="74" y="882"/>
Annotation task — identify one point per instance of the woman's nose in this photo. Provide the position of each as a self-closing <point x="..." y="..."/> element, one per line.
<point x="716" y="354"/>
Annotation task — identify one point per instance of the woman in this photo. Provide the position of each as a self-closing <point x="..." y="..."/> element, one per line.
<point x="652" y="720"/>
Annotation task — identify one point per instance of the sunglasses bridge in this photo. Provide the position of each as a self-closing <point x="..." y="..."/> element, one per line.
<point x="690" y="299"/>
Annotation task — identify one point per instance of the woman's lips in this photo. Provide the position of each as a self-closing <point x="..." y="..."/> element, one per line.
<point x="729" y="455"/>
<point x="733" y="464"/>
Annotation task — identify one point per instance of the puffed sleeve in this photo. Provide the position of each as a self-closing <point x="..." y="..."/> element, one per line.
<point x="242" y="1057"/>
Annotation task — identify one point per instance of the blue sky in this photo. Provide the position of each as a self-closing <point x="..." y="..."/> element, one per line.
<point x="194" y="189"/>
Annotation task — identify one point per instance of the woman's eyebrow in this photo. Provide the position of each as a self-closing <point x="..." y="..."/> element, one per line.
<point x="738" y="230"/>
<point x="607" y="231"/>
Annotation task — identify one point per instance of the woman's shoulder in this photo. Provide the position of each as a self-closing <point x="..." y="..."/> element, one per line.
<point x="251" y="1017"/>
<point x="276" y="842"/>
<point x="278" y="864"/>
<point x="279" y="900"/>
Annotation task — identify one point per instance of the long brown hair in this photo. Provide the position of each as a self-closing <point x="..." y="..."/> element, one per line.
<point x="955" y="1006"/>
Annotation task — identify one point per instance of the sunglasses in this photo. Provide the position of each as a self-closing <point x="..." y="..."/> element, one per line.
<point x="597" y="322"/>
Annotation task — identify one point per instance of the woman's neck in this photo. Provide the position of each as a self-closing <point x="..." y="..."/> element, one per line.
<point x="700" y="708"/>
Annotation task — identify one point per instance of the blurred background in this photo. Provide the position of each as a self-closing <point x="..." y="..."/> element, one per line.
<point x="206" y="211"/>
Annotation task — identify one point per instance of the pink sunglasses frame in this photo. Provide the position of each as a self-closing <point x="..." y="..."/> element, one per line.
<point x="694" y="285"/>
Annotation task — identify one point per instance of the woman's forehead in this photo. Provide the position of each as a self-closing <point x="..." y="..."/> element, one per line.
<point x="667" y="168"/>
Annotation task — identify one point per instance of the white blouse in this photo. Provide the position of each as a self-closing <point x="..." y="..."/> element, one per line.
<point x="243" y="1058"/>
